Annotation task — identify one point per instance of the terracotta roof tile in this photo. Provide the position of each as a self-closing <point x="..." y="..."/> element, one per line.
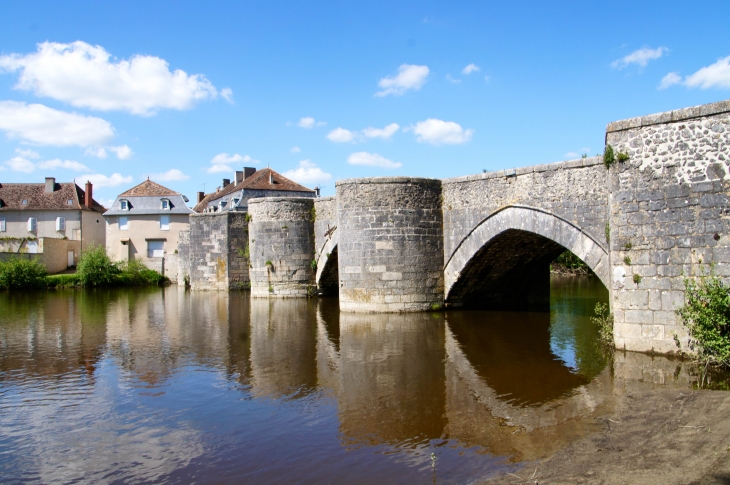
<point x="147" y="188"/>
<point x="13" y="195"/>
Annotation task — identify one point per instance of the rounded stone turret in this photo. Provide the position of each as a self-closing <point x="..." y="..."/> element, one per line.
<point x="281" y="246"/>
<point x="390" y="245"/>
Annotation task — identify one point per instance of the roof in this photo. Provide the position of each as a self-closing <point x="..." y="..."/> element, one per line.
<point x="145" y="199"/>
<point x="13" y="195"/>
<point x="146" y="188"/>
<point x="260" y="180"/>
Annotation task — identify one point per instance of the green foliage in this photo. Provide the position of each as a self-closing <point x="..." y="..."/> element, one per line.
<point x="608" y="156"/>
<point x="637" y="278"/>
<point x="313" y="214"/>
<point x="248" y="217"/>
<point x="584" y="155"/>
<point x="627" y="261"/>
<point x="269" y="263"/>
<point x="607" y="229"/>
<point x="436" y="307"/>
<point x="628" y="246"/>
<point x="622" y="157"/>
<point x="135" y="273"/>
<point x="62" y="281"/>
<point x="604" y="320"/>
<point x="706" y="314"/>
<point x="22" y="273"/>
<point x="313" y="264"/>
<point x="569" y="260"/>
<point x="96" y="268"/>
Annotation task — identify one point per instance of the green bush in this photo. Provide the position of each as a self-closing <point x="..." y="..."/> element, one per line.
<point x="604" y="320"/>
<point x="706" y="314"/>
<point x="96" y="268"/>
<point x="135" y="273"/>
<point x="62" y="280"/>
<point x="608" y="156"/>
<point x="22" y="273"/>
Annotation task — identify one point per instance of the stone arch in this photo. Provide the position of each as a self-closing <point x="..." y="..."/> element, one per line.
<point x="532" y="223"/>
<point x="327" y="276"/>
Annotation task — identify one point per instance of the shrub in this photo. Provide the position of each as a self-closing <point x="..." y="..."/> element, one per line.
<point x="622" y="157"/>
<point x="95" y="268"/>
<point x="22" y="273"/>
<point x="135" y="273"/>
<point x="706" y="314"/>
<point x="604" y="320"/>
<point x="637" y="278"/>
<point x="608" y="156"/>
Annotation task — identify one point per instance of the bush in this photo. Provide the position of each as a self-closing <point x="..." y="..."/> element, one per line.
<point x="95" y="268"/>
<point x="604" y="320"/>
<point x="62" y="280"/>
<point x="135" y="273"/>
<point x="706" y="314"/>
<point x="22" y="273"/>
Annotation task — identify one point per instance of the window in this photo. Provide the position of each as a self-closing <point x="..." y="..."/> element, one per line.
<point x="164" y="223"/>
<point x="70" y="202"/>
<point x="222" y="204"/>
<point x="60" y="223"/>
<point x="2" y="224"/>
<point x="124" y="205"/>
<point x="123" y="223"/>
<point x="155" y="249"/>
<point x="32" y="224"/>
<point x="25" y="202"/>
<point x="165" y="204"/>
<point x="235" y="202"/>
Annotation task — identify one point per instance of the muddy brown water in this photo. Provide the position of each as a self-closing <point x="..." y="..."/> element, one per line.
<point x="169" y="386"/>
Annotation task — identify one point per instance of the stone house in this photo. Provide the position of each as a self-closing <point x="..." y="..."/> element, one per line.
<point x="54" y="221"/>
<point x="144" y="223"/>
<point x="249" y="184"/>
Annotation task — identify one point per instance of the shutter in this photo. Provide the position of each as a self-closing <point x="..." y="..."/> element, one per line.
<point x="32" y="224"/>
<point x="60" y="223"/>
<point x="123" y="224"/>
<point x="164" y="223"/>
<point x="155" y="249"/>
<point x="2" y="224"/>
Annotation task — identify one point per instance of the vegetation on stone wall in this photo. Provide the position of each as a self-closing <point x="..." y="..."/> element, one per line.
<point x="604" y="320"/>
<point x="706" y="315"/>
<point x="608" y="156"/>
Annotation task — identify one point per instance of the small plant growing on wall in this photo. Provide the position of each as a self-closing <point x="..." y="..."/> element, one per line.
<point x="628" y="246"/>
<point x="269" y="263"/>
<point x="313" y="214"/>
<point x="637" y="278"/>
<point x="313" y="264"/>
<point x="607" y="229"/>
<point x="608" y="156"/>
<point x="622" y="157"/>
<point x="248" y="217"/>
<point x="627" y="260"/>
<point x="604" y="320"/>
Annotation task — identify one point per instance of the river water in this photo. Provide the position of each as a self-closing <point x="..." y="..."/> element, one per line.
<point x="167" y="385"/>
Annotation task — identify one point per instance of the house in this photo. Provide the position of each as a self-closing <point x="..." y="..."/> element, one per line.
<point x="249" y="184"/>
<point x="144" y="223"/>
<point x="54" y="221"/>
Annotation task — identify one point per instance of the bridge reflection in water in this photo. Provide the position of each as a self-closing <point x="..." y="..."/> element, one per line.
<point x="220" y="385"/>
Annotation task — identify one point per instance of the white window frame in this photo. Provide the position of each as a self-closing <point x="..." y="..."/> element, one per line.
<point x="123" y="223"/>
<point x="165" y="204"/>
<point x="3" y="227"/>
<point x="123" y="204"/>
<point x="60" y="224"/>
<point x="32" y="224"/>
<point x="164" y="223"/>
<point x="235" y="202"/>
<point x="156" y="252"/>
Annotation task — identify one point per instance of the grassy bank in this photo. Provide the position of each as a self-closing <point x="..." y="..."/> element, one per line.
<point x="95" y="269"/>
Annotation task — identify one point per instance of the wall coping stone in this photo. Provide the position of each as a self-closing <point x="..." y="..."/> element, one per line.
<point x="325" y="199"/>
<point x="670" y="116"/>
<point x="262" y="200"/>
<point x="388" y="180"/>
<point x="547" y="167"/>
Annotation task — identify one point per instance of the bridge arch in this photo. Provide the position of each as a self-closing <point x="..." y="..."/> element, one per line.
<point x="514" y="245"/>
<point x="327" y="275"/>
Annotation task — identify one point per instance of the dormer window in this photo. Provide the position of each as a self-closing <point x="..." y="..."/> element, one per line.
<point x="124" y="205"/>
<point x="165" y="204"/>
<point x="222" y="204"/>
<point x="235" y="202"/>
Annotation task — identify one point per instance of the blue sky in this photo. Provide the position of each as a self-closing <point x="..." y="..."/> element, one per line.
<point x="188" y="92"/>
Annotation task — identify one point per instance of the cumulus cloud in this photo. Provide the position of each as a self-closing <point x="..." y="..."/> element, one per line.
<point x="295" y="149"/>
<point x="95" y="152"/>
<point x="451" y="79"/>
<point x="716" y="75"/>
<point x="384" y="133"/>
<point x="341" y="135"/>
<point x="66" y="164"/>
<point x="309" y="122"/>
<point x="20" y="164"/>
<point x="438" y="132"/>
<point x="86" y="76"/>
<point x="222" y="162"/>
<point x="36" y="123"/>
<point x="123" y="152"/>
<point x="31" y="154"/>
<point x="227" y="94"/>
<point x="100" y="180"/>
<point x="172" y="175"/>
<point x="409" y="77"/>
<point x="670" y="80"/>
<point x="372" y="160"/>
<point x="308" y="173"/>
<point x="470" y="68"/>
<point x="640" y="57"/>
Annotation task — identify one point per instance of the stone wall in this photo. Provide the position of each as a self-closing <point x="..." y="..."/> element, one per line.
<point x="282" y="247"/>
<point x="669" y="218"/>
<point x="212" y="252"/>
<point x="390" y="244"/>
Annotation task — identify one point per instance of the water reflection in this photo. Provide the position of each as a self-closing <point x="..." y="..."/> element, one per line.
<point x="149" y="385"/>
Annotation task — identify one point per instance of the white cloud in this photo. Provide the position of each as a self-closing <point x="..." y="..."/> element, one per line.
<point x="85" y="76"/>
<point x="341" y="135"/>
<point x="95" y="152"/>
<point x="36" y="123"/>
<point x="100" y="180"/>
<point x="227" y="94"/>
<point x="295" y="149"/>
<point x="372" y="160"/>
<point x="308" y="173"/>
<point x="584" y="150"/>
<point x="437" y="132"/>
<point x="57" y="163"/>
<point x="123" y="152"/>
<point x="33" y="155"/>
<point x="384" y="133"/>
<point x="309" y="122"/>
<point x="171" y="175"/>
<point x="487" y="78"/>
<point x="409" y="77"/>
<point x="640" y="57"/>
<point x="669" y="80"/>
<point x="470" y="68"/>
<point x="20" y="164"/>
<point x="222" y="161"/>
<point x="455" y="81"/>
<point x="716" y="75"/>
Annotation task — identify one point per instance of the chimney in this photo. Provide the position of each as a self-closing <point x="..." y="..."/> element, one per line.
<point x="50" y="185"/>
<point x="201" y="196"/>
<point x="226" y="182"/>
<point x="237" y="177"/>
<point x="88" y="196"/>
<point x="248" y="171"/>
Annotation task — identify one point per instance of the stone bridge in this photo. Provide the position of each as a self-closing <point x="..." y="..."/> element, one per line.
<point x="402" y="244"/>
